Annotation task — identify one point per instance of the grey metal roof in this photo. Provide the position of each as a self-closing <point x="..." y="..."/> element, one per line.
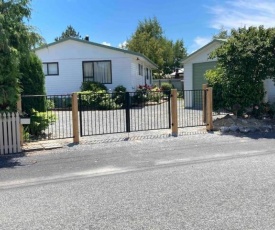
<point x="99" y="45"/>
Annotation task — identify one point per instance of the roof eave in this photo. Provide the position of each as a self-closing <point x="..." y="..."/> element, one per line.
<point x="99" y="45"/>
<point x="200" y="49"/>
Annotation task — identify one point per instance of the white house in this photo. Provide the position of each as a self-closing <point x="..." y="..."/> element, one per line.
<point x="69" y="62"/>
<point x="196" y="64"/>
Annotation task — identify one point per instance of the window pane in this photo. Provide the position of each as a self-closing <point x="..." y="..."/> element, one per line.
<point x="52" y="67"/>
<point x="102" y="72"/>
<point x="88" y="69"/>
<point x="140" y="69"/>
<point x="45" y="70"/>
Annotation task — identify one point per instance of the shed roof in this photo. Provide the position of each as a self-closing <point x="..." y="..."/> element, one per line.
<point x="202" y="48"/>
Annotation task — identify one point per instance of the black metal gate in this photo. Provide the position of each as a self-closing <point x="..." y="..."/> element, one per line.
<point x="106" y="113"/>
<point x="190" y="108"/>
<point x="51" y="117"/>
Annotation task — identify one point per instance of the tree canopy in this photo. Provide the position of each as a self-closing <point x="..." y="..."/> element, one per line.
<point x="149" y="39"/>
<point x="244" y="61"/>
<point x="16" y="41"/>
<point x="222" y="34"/>
<point x="69" y="32"/>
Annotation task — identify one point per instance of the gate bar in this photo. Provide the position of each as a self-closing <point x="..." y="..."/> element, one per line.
<point x="127" y="98"/>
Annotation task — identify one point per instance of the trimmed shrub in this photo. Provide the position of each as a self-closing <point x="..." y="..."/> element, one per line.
<point x="166" y="88"/>
<point x="92" y="86"/>
<point x="40" y="121"/>
<point x="98" y="100"/>
<point x="119" y="95"/>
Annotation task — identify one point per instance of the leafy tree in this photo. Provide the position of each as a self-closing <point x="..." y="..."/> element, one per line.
<point x="16" y="41"/>
<point x="222" y="34"/>
<point x="244" y="61"/>
<point x="180" y="53"/>
<point x="69" y="32"/>
<point x="149" y="40"/>
<point x="33" y="83"/>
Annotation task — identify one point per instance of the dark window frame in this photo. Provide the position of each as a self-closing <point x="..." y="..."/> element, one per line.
<point x="140" y="69"/>
<point x="47" y="63"/>
<point x="147" y="73"/>
<point x="93" y="77"/>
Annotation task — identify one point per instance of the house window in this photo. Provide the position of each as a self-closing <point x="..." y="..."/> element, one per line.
<point x="99" y="71"/>
<point x="140" y="69"/>
<point x="147" y="73"/>
<point x="150" y="75"/>
<point x="50" y="68"/>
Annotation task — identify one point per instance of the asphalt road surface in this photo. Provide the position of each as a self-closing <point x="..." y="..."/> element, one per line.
<point x="205" y="181"/>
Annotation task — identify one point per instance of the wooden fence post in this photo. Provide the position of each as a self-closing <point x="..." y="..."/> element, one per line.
<point x="19" y="110"/>
<point x="174" y="111"/>
<point x="209" y="109"/>
<point x="75" y="118"/>
<point x="204" y="88"/>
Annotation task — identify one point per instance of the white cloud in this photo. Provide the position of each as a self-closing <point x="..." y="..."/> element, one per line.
<point x="122" y="45"/>
<point x="106" y="43"/>
<point x="199" y="42"/>
<point x="239" y="13"/>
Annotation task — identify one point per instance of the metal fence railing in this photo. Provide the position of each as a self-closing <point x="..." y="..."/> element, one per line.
<point x="190" y="108"/>
<point x="51" y="117"/>
<point x="105" y="113"/>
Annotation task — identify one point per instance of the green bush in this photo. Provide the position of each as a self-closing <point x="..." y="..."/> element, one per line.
<point x="40" y="121"/>
<point x="32" y="83"/>
<point x="50" y="104"/>
<point x="62" y="102"/>
<point x="263" y="110"/>
<point x="166" y="88"/>
<point x="119" y="95"/>
<point x="98" y="100"/>
<point x="108" y="103"/>
<point x="92" y="86"/>
<point x="155" y="94"/>
<point x="234" y="93"/>
<point x="214" y="80"/>
<point x="141" y="94"/>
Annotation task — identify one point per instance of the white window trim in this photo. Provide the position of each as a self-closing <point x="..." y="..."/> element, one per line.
<point x="47" y="69"/>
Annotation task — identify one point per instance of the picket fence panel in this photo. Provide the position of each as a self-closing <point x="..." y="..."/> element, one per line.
<point x="9" y="133"/>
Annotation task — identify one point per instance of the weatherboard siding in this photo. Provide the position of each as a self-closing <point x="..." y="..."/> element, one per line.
<point x="270" y="90"/>
<point x="70" y="54"/>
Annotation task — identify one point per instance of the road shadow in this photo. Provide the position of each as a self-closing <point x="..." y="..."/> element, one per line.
<point x="252" y="135"/>
<point x="11" y="161"/>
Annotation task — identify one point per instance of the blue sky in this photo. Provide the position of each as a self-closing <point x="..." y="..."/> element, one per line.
<point x="112" y="22"/>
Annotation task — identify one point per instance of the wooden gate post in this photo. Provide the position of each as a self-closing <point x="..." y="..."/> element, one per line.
<point x="19" y="110"/>
<point x="174" y="111"/>
<point x="75" y="118"/>
<point x="204" y="88"/>
<point x="209" y="109"/>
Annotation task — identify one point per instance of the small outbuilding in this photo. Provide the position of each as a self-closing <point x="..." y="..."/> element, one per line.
<point x="198" y="62"/>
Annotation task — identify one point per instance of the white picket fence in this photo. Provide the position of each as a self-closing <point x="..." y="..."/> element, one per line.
<point x="9" y="133"/>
